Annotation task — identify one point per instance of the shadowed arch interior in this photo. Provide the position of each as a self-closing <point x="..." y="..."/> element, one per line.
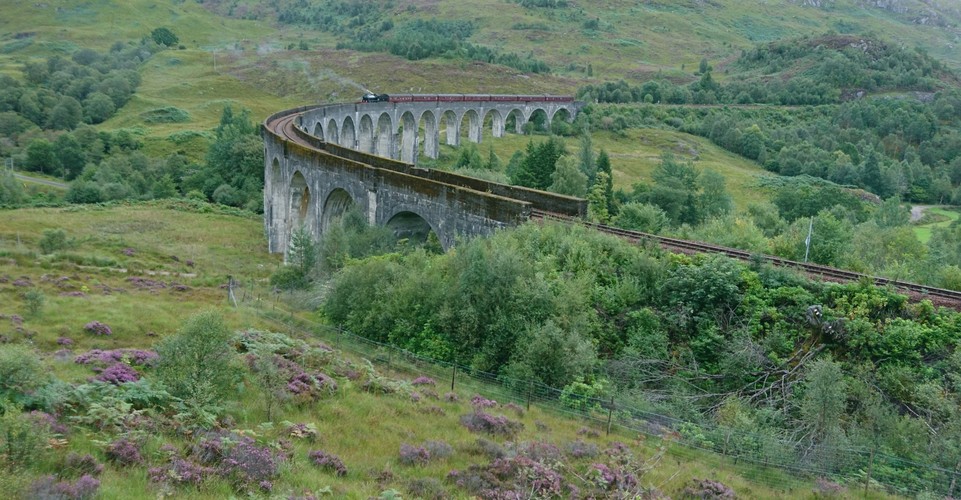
<point x="410" y="226"/>
<point x="338" y="203"/>
<point x="318" y="131"/>
<point x="299" y="201"/>
<point x="348" y="135"/>
<point x="515" y="121"/>
<point x="539" y="120"/>
<point x="562" y="114"/>
<point x="333" y="132"/>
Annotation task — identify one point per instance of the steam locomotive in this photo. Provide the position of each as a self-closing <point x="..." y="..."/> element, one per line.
<point x="371" y="97"/>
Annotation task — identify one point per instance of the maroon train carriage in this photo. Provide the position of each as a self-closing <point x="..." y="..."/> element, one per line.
<point x="464" y="98"/>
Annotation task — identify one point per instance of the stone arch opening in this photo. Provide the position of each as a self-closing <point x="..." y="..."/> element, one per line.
<point x="514" y="121"/>
<point x="495" y="120"/>
<point x="409" y="133"/>
<point x="299" y="210"/>
<point x="332" y="131"/>
<point x="451" y="128"/>
<point x="560" y="122"/>
<point x="430" y="146"/>
<point x="385" y="136"/>
<point x="410" y="226"/>
<point x="348" y="135"/>
<point x="338" y="203"/>
<point x="365" y="139"/>
<point x="562" y="114"/>
<point x="538" y="122"/>
<point x="318" y="131"/>
<point x="472" y="122"/>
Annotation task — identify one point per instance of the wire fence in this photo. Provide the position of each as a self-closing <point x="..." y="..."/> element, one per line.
<point x="763" y="458"/>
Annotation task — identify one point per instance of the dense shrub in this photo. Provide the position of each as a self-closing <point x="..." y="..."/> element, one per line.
<point x="197" y="363"/>
<point x="516" y="477"/>
<point x="124" y="452"/>
<point x="97" y="328"/>
<point x="545" y="453"/>
<point x="707" y="489"/>
<point x="20" y="371"/>
<point x="328" y="462"/>
<point x="581" y="449"/>
<point x="48" y="487"/>
<point x="78" y="465"/>
<point x="307" y="432"/>
<point x="495" y="425"/>
<point x="427" y="488"/>
<point x="438" y="449"/>
<point x="53" y="240"/>
<point x="180" y="471"/>
<point x="23" y="440"/>
<point x="423" y="381"/>
<point x="118" y="373"/>
<point x="248" y="466"/>
<point x="138" y="357"/>
<point x="479" y="402"/>
<point x="414" y="455"/>
<point x="490" y="449"/>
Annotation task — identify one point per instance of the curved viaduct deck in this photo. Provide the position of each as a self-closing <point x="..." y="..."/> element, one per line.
<point x="310" y="181"/>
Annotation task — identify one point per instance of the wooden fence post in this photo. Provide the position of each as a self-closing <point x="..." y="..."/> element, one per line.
<point x="610" y="416"/>
<point x="530" y="389"/>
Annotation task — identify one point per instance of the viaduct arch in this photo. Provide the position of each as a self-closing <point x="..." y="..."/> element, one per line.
<point x="322" y="160"/>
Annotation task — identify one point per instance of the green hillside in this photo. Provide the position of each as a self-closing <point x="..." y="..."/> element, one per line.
<point x="142" y="269"/>
<point x="741" y="123"/>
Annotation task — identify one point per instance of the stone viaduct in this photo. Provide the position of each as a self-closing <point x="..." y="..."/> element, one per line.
<point x="322" y="160"/>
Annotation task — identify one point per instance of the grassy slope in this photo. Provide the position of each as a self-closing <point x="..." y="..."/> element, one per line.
<point x="218" y="245"/>
<point x="364" y="429"/>
<point x="638" y="38"/>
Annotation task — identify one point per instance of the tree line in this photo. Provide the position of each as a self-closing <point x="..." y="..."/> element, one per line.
<point x="61" y="93"/>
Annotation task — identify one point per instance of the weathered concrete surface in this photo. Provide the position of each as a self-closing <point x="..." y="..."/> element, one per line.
<point x="310" y="181"/>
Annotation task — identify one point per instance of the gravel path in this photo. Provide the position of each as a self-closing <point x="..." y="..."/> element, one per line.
<point x="40" y="181"/>
<point x="917" y="211"/>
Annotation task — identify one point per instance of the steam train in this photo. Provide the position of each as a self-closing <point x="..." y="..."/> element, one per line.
<point x="371" y="97"/>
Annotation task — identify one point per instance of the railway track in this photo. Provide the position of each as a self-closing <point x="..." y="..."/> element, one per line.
<point x="283" y="127"/>
<point x="940" y="296"/>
